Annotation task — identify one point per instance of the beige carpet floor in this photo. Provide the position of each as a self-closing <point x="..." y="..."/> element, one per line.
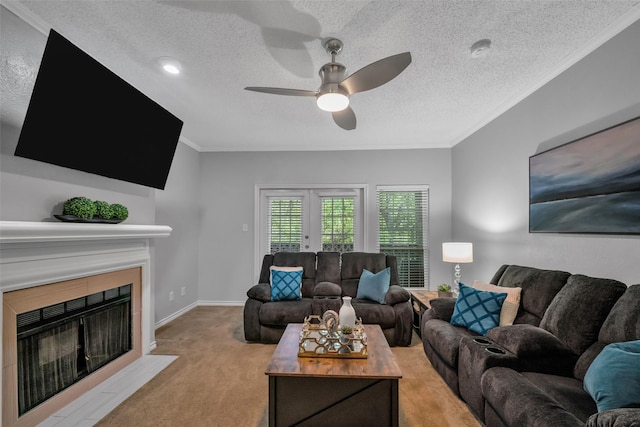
<point x="219" y="380"/>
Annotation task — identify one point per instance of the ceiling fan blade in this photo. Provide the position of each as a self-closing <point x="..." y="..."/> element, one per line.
<point x="281" y="91"/>
<point x="346" y="118"/>
<point x="377" y="73"/>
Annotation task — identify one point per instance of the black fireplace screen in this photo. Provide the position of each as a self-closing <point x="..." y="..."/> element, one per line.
<point x="61" y="344"/>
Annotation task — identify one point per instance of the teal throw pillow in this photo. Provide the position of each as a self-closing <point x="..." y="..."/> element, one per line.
<point x="477" y="310"/>
<point x="613" y="378"/>
<point x="374" y="287"/>
<point x="286" y="283"/>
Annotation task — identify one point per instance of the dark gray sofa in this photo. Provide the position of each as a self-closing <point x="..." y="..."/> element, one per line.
<point x="554" y="339"/>
<point x="326" y="278"/>
<point x="545" y="399"/>
<point x="441" y="340"/>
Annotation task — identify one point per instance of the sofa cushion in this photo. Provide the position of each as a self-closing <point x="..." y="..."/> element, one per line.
<point x="567" y="392"/>
<point x="622" y="324"/>
<point x="286" y="283"/>
<point x="374" y="286"/>
<point x="613" y="379"/>
<point x="518" y="402"/>
<point x="353" y="264"/>
<point x="625" y="417"/>
<point x="281" y="313"/>
<point x="623" y="321"/>
<point x="477" y="310"/>
<point x="580" y="308"/>
<point x="374" y="313"/>
<point x="327" y="289"/>
<point x="510" y="305"/>
<point x="444" y="338"/>
<point x="539" y="287"/>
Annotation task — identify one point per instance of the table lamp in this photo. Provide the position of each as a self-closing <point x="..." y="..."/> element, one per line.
<point x="457" y="252"/>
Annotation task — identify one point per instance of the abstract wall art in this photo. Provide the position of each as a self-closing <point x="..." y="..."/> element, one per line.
<point x="590" y="185"/>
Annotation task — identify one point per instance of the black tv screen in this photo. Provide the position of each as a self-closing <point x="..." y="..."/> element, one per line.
<point x="83" y="116"/>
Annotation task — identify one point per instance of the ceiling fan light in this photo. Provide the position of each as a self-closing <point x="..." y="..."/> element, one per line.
<point x="332" y="101"/>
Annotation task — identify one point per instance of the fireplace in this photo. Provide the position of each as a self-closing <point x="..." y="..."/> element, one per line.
<point x="60" y="344"/>
<point x="75" y="308"/>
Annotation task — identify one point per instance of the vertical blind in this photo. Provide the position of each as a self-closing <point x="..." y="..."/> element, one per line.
<point x="338" y="224"/>
<point x="285" y="224"/>
<point x="403" y="230"/>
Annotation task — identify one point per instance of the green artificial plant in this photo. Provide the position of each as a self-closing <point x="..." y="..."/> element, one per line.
<point x="81" y="207"/>
<point x="103" y="209"/>
<point x="120" y="211"/>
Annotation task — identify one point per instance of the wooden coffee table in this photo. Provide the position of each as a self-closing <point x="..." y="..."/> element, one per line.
<point x="311" y="391"/>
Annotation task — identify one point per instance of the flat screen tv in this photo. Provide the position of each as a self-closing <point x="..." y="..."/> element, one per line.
<point x="83" y="116"/>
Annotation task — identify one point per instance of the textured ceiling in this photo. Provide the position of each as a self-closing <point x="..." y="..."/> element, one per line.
<point x="441" y="98"/>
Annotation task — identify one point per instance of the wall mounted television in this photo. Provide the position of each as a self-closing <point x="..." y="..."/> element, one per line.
<point x="83" y="116"/>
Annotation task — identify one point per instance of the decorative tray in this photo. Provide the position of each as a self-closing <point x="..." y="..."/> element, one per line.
<point x="73" y="218"/>
<point x="320" y="338"/>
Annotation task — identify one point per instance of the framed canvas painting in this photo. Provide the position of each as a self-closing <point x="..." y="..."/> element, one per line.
<point x="590" y="185"/>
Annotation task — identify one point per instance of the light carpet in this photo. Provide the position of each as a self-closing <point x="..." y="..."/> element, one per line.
<point x="219" y="380"/>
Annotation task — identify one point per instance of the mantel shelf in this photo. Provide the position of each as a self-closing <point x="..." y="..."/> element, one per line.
<point x="34" y="232"/>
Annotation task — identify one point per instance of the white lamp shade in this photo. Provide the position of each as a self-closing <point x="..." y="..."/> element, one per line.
<point x="458" y="252"/>
<point x="333" y="101"/>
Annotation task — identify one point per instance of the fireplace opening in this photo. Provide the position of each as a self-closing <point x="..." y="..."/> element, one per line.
<point x="60" y="344"/>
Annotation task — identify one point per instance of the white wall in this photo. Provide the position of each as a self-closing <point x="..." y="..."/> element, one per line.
<point x="228" y="180"/>
<point x="491" y="187"/>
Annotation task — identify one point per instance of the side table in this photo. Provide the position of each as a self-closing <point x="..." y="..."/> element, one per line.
<point x="421" y="302"/>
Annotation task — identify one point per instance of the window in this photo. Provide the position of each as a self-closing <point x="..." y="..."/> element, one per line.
<point x="310" y="220"/>
<point x="403" y="229"/>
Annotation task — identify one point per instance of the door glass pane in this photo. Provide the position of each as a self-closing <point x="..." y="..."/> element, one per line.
<point x="338" y="234"/>
<point x="285" y="225"/>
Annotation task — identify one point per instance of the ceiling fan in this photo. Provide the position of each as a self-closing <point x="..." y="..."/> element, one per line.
<point x="336" y="88"/>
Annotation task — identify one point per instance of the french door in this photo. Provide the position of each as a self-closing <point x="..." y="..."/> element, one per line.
<point x="310" y="220"/>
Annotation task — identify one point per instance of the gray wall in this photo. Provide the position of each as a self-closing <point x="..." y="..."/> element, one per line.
<point x="34" y="191"/>
<point x="228" y="181"/>
<point x="491" y="187"/>
<point x="176" y="257"/>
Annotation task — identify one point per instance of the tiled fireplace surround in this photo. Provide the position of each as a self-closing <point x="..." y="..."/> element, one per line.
<point x="33" y="254"/>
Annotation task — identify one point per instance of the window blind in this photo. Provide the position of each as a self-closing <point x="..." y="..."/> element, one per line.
<point x="285" y="224"/>
<point x="403" y="229"/>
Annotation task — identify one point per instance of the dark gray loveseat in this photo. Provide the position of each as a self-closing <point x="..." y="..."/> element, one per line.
<point x="530" y="373"/>
<point x="326" y="278"/>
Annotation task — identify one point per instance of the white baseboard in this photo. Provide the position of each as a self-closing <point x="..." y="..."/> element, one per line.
<point x="191" y="307"/>
<point x="176" y="315"/>
<point x="222" y="303"/>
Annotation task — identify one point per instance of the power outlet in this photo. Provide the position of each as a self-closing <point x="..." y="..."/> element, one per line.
<point x="171" y="296"/>
<point x="183" y="290"/>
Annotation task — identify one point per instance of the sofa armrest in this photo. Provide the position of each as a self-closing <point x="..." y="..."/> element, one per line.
<point x="327" y="289"/>
<point x="396" y="294"/>
<point x="260" y="292"/>
<point x="441" y="308"/>
<point x="528" y="341"/>
<point x="623" y="417"/>
<point x="537" y="350"/>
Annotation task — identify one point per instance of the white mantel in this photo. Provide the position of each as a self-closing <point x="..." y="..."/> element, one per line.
<point x="38" y="253"/>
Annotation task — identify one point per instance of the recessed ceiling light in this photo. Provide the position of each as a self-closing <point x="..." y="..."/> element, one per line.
<point x="170" y="65"/>
<point x="480" y="48"/>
